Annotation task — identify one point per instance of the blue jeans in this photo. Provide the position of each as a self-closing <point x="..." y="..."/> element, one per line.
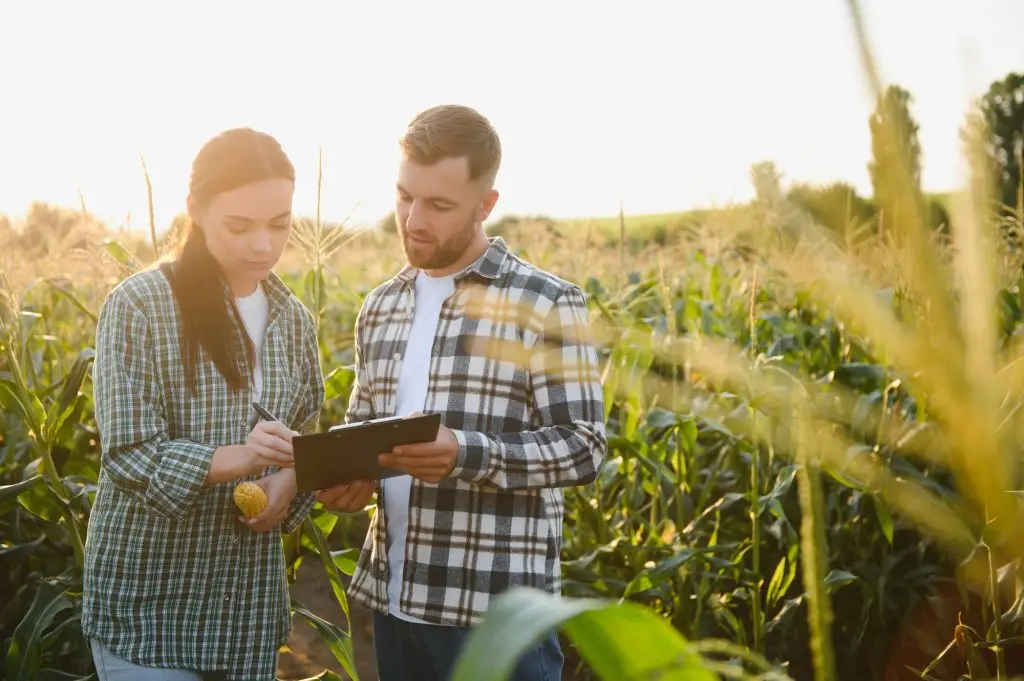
<point x="110" y="667"/>
<point x="411" y="651"/>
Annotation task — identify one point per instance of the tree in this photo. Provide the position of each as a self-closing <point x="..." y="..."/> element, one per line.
<point x="836" y="206"/>
<point x="994" y="136"/>
<point x="767" y="181"/>
<point x="895" y="165"/>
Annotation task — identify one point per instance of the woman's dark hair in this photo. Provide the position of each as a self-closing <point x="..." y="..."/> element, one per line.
<point x="210" y="320"/>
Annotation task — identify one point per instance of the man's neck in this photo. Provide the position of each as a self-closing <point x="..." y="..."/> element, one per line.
<point x="476" y="248"/>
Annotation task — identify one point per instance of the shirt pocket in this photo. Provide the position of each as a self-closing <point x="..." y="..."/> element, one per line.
<point x="488" y="382"/>
<point x="296" y="401"/>
<point x="286" y="390"/>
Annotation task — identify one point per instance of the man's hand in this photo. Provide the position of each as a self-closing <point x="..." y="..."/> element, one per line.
<point x="428" y="461"/>
<point x="348" y="498"/>
<point x="280" y="490"/>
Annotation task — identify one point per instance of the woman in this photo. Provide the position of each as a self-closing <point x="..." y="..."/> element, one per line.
<point x="176" y="585"/>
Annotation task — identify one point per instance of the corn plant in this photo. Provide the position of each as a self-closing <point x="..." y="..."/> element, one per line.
<point x="813" y="444"/>
<point x="903" y="406"/>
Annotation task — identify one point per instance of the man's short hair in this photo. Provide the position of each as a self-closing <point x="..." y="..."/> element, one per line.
<point x="453" y="131"/>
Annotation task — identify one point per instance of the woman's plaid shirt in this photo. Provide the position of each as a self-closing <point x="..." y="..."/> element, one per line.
<point x="514" y="375"/>
<point x="172" y="578"/>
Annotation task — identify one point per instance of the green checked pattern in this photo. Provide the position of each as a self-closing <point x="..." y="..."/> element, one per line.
<point x="172" y="578"/>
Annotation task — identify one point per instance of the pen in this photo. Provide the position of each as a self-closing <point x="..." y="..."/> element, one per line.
<point x="262" y="411"/>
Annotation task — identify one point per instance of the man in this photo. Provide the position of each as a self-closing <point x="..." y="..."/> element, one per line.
<point x="500" y="349"/>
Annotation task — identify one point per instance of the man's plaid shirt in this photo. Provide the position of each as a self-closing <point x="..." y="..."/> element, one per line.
<point x="172" y="578"/>
<point x="514" y="375"/>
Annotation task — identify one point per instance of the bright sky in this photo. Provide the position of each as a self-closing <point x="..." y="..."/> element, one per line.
<point x="662" y="104"/>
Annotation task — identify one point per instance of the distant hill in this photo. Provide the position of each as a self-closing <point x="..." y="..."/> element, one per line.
<point x="640" y="229"/>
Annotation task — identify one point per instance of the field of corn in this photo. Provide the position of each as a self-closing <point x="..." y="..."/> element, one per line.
<point x="814" y="464"/>
<point x="777" y="468"/>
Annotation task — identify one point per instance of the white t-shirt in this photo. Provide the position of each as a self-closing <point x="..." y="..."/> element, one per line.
<point x="254" y="309"/>
<point x="411" y="395"/>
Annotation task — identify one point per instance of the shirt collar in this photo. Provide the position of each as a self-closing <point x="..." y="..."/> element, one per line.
<point x="277" y="292"/>
<point x="488" y="265"/>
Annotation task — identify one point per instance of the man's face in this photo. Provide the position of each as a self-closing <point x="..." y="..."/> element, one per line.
<point x="438" y="210"/>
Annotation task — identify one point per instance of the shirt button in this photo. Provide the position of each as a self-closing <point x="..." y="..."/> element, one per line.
<point x="227" y="598"/>
<point x="398" y="356"/>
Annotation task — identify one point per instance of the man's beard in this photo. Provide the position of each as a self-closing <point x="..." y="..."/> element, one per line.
<point x="438" y="255"/>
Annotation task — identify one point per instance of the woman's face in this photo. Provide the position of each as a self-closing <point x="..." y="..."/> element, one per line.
<point x="246" y="230"/>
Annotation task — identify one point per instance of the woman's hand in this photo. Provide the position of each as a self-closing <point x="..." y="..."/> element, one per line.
<point x="269" y="444"/>
<point x="280" y="490"/>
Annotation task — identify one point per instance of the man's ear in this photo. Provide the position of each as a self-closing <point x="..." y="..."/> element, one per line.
<point x="487" y="205"/>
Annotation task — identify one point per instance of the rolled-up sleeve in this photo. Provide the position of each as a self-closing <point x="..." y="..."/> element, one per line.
<point x="137" y="454"/>
<point x="570" y="444"/>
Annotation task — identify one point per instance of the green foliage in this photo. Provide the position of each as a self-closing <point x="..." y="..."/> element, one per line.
<point x="45" y="483"/>
<point x="837" y="207"/>
<point x="642" y="231"/>
<point x="803" y="464"/>
<point x="617" y="641"/>
<point x="668" y="526"/>
<point x="994" y="135"/>
<point x="696" y="517"/>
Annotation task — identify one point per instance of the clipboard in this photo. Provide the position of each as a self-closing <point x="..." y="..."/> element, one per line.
<point x="349" y="452"/>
